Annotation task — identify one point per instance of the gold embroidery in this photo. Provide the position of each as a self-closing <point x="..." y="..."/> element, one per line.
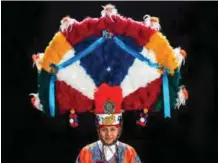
<point x="109" y="120"/>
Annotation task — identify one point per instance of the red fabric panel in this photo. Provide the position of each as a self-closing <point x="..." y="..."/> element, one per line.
<point x="69" y="98"/>
<point x="106" y="92"/>
<point x="144" y="97"/>
<point x="116" y="24"/>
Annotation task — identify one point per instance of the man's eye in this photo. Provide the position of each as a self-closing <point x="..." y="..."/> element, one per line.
<point x="112" y="129"/>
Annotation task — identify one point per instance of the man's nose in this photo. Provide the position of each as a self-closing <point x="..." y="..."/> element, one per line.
<point x="108" y="133"/>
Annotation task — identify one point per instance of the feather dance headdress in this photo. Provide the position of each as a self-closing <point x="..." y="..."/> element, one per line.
<point x="108" y="65"/>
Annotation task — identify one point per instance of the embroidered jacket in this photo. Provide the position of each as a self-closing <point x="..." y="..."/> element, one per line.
<point x="92" y="153"/>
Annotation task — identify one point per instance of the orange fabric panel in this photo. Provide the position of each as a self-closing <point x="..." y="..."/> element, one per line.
<point x="163" y="51"/>
<point x="85" y="156"/>
<point x="130" y="155"/>
<point x="54" y="52"/>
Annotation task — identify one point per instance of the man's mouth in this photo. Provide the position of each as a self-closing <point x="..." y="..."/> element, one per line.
<point x="109" y="139"/>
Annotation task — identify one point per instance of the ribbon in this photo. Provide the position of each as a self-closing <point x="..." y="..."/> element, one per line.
<point x="52" y="95"/>
<point x="88" y="51"/>
<point x="166" y="95"/>
<point x="134" y="53"/>
<point x="55" y="69"/>
<point x="82" y="53"/>
<point x="137" y="55"/>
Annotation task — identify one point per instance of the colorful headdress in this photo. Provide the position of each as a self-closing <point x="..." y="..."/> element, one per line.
<point x="108" y="105"/>
<point x="108" y="65"/>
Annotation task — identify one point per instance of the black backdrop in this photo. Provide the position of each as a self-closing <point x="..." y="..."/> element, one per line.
<point x="28" y="136"/>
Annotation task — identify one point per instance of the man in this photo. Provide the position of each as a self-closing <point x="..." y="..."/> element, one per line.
<point x="129" y="65"/>
<point x="108" y="113"/>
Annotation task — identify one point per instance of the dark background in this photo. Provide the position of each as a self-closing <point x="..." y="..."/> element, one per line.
<point x="28" y="136"/>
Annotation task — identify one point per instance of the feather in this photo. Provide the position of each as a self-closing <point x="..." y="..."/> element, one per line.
<point x="67" y="24"/>
<point x="149" y="54"/>
<point x="36" y="101"/>
<point x="139" y="75"/>
<point x="180" y="56"/>
<point x="152" y="22"/>
<point x="37" y="60"/>
<point x="109" y="10"/>
<point x="75" y="76"/>
<point x="182" y="97"/>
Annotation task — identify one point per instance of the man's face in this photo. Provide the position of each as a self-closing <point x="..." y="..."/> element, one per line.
<point x="109" y="134"/>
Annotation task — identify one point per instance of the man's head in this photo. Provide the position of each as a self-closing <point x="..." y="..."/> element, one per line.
<point x="108" y="102"/>
<point x="109" y="128"/>
<point x="109" y="134"/>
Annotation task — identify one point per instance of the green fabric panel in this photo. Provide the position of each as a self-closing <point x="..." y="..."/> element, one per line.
<point x="173" y="89"/>
<point x="43" y="88"/>
<point x="159" y="104"/>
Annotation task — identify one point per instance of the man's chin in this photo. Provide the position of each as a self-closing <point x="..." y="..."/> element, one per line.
<point x="109" y="142"/>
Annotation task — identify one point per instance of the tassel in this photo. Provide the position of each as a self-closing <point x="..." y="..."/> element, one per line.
<point x="143" y="118"/>
<point x="73" y="119"/>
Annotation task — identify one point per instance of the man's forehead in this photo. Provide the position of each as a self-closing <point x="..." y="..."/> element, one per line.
<point x="109" y="127"/>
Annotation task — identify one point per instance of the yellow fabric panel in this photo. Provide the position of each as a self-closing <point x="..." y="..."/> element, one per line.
<point x="54" y="52"/>
<point x="163" y="51"/>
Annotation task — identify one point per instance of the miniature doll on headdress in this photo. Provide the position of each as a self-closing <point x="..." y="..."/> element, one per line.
<point x="107" y="66"/>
